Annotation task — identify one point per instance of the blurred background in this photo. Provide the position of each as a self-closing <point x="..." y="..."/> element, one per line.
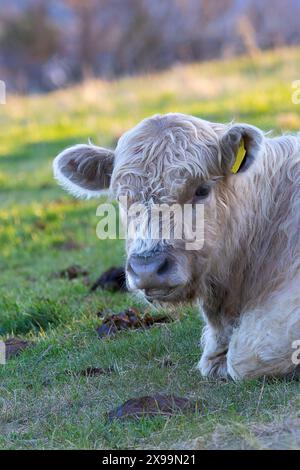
<point x="46" y="45"/>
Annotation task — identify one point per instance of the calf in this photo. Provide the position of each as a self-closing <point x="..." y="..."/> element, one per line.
<point x="246" y="274"/>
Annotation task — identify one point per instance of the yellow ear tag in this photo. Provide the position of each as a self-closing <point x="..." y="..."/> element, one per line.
<point x="239" y="158"/>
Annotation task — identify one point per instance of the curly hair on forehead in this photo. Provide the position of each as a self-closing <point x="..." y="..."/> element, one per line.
<point x="159" y="147"/>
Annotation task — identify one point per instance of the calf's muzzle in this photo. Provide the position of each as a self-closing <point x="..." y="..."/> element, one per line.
<point x="150" y="272"/>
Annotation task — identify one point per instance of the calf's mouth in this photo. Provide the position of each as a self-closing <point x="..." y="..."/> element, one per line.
<point x="171" y="294"/>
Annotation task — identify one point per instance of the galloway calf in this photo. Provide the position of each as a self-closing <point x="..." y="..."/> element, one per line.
<point x="246" y="275"/>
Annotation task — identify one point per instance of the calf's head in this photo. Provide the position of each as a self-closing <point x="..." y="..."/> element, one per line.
<point x="170" y="161"/>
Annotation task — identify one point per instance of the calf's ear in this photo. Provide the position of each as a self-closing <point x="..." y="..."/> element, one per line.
<point x="240" y="146"/>
<point x="84" y="170"/>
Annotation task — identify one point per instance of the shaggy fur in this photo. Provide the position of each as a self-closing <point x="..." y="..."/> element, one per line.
<point x="246" y="277"/>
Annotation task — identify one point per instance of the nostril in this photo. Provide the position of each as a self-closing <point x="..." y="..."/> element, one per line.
<point x="164" y="267"/>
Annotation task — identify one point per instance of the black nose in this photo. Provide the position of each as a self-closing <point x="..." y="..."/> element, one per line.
<point x="150" y="272"/>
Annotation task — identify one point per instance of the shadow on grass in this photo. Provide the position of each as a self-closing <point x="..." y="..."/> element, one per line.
<point x="37" y="317"/>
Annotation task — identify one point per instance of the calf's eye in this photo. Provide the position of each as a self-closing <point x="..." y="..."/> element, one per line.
<point x="202" y="191"/>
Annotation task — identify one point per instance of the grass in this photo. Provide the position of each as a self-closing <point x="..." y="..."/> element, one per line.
<point x="40" y="405"/>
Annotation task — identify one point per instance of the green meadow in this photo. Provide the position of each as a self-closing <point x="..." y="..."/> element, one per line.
<point x="44" y="230"/>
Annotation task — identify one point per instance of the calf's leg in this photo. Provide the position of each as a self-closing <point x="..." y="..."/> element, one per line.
<point x="214" y="341"/>
<point x="265" y="342"/>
